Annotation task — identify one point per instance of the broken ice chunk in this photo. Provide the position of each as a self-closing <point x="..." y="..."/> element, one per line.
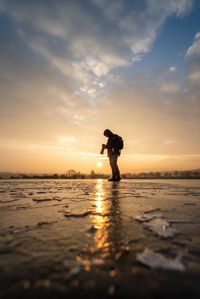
<point x="41" y="199"/>
<point x="162" y="228"/>
<point x="85" y="213"/>
<point x="147" y="217"/>
<point x="157" y="260"/>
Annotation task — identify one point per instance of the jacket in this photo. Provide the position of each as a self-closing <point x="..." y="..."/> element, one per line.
<point x="111" y="146"/>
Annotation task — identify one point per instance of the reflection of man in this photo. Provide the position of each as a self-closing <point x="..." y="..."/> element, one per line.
<point x="114" y="146"/>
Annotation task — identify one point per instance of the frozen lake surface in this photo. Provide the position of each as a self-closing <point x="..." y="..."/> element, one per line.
<point x="99" y="238"/>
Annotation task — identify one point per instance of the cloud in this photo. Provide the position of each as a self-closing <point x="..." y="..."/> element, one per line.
<point x="193" y="52"/>
<point x="194" y="49"/>
<point x="193" y="73"/>
<point x="172" y="69"/>
<point x="89" y="41"/>
<point x="171" y="88"/>
<point x="37" y="103"/>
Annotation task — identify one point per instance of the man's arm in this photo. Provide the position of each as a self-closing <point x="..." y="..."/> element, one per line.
<point x="110" y="144"/>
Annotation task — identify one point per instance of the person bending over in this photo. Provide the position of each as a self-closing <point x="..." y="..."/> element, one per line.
<point x="114" y="146"/>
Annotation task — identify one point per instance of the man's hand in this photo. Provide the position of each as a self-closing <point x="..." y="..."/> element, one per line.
<point x="102" y="149"/>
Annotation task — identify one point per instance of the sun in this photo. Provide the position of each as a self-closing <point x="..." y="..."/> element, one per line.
<point x="99" y="164"/>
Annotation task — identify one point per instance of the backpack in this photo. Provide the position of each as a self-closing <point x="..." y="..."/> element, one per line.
<point x="119" y="142"/>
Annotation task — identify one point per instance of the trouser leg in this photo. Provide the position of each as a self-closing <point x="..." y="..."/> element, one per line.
<point x="111" y="165"/>
<point x="117" y="172"/>
<point x="114" y="166"/>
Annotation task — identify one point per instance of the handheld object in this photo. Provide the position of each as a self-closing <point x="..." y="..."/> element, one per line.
<point x="102" y="149"/>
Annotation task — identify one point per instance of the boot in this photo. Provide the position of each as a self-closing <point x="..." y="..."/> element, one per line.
<point x="111" y="180"/>
<point x="117" y="179"/>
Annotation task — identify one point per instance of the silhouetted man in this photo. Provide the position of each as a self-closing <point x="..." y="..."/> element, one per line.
<point x="113" y="146"/>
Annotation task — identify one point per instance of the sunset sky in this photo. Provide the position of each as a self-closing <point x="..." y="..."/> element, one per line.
<point x="71" y="69"/>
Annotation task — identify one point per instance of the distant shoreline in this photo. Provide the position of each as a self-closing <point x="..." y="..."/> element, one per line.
<point x="12" y="179"/>
<point x="138" y="178"/>
<point x="72" y="174"/>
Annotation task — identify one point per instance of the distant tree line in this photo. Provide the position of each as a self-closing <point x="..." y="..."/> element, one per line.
<point x="72" y="174"/>
<point x="189" y="174"/>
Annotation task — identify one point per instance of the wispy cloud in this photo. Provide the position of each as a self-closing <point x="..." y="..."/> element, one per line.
<point x="194" y="49"/>
<point x="88" y="41"/>
<point x="193" y="54"/>
<point x="171" y="88"/>
<point x="172" y="69"/>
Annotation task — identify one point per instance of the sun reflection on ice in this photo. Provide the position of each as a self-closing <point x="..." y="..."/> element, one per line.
<point x="107" y="221"/>
<point x="99" y="196"/>
<point x="100" y="221"/>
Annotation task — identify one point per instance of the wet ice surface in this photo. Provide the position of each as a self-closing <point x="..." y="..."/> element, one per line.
<point x="66" y="233"/>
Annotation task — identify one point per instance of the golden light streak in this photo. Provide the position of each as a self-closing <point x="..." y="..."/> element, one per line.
<point x="99" y="221"/>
